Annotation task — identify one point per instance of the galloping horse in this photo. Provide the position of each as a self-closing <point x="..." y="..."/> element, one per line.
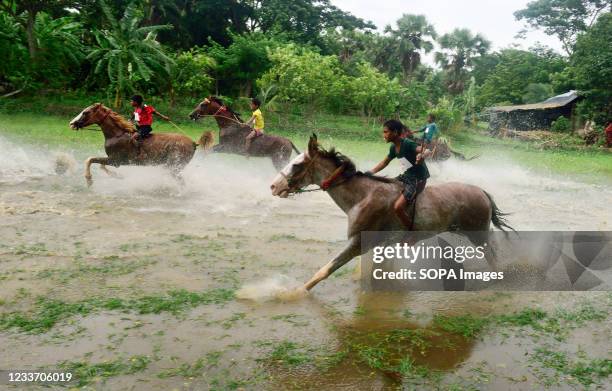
<point x="368" y="202"/>
<point x="232" y="134"/>
<point x="169" y="149"/>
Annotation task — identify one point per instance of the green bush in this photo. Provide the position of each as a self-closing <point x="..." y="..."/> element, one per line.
<point x="448" y="115"/>
<point x="561" y="124"/>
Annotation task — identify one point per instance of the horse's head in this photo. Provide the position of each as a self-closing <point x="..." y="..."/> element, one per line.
<point x="90" y="115"/>
<point x="307" y="168"/>
<point x="209" y="106"/>
<point x="213" y="106"/>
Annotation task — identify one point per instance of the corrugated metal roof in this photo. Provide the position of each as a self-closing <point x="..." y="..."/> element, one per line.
<point x="550" y="103"/>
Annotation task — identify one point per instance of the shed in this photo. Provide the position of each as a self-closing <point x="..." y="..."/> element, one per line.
<point x="535" y="116"/>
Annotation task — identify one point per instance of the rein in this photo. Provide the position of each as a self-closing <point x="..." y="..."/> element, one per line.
<point x="216" y="114"/>
<point x="325" y="185"/>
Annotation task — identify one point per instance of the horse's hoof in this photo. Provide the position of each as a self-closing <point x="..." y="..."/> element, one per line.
<point x="89" y="181"/>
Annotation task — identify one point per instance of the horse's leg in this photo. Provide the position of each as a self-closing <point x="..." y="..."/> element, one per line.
<point x="89" y="162"/>
<point x="109" y="172"/>
<point x="481" y="238"/>
<point x="352" y="250"/>
<point x="175" y="171"/>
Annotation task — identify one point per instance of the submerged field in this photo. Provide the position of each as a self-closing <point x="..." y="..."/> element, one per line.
<point x="132" y="284"/>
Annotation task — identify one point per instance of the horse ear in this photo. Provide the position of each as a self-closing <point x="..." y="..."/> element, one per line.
<point x="313" y="145"/>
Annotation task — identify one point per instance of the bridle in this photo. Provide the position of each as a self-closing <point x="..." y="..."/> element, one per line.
<point x="216" y="114"/>
<point x="108" y="111"/>
<point x="330" y="180"/>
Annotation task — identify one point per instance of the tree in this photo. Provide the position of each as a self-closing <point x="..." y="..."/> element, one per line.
<point x="516" y="70"/>
<point x="31" y="8"/>
<point x="127" y="52"/>
<point x="537" y="92"/>
<point x="459" y="48"/>
<point x="412" y="36"/>
<point x="305" y="77"/>
<point x="242" y="62"/>
<point x="191" y="74"/>
<point x="302" y="20"/>
<point x="563" y="18"/>
<point x="591" y="65"/>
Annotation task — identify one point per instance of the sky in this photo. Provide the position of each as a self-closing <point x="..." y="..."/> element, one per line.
<point x="492" y="18"/>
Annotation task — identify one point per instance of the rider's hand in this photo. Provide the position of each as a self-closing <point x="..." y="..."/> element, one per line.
<point x="419" y="157"/>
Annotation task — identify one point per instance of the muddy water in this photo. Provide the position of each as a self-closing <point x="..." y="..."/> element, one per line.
<point x="143" y="234"/>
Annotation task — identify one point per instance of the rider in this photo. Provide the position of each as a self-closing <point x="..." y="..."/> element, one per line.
<point x="415" y="177"/>
<point x="256" y="121"/>
<point x="430" y="130"/>
<point x="143" y="116"/>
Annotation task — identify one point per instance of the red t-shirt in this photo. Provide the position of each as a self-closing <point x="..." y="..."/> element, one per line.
<point x="144" y="115"/>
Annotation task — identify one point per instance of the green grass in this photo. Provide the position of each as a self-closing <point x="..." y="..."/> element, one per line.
<point x="48" y="312"/>
<point x="196" y="369"/>
<point x="110" y="266"/>
<point x="85" y="373"/>
<point x="40" y="121"/>
<point x="287" y="353"/>
<point x="585" y="371"/>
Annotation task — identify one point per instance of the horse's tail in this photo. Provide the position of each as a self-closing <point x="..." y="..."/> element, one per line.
<point x="206" y="141"/>
<point x="498" y="218"/>
<point x="295" y="148"/>
<point x="461" y="156"/>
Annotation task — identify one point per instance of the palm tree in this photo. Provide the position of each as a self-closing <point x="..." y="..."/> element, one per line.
<point x="128" y="52"/>
<point x="412" y="36"/>
<point x="460" y="47"/>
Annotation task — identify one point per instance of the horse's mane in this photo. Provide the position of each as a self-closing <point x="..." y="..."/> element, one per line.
<point x="120" y="121"/>
<point x="219" y="101"/>
<point x="350" y="169"/>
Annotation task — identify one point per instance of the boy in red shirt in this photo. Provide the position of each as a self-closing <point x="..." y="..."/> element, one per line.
<point x="143" y="117"/>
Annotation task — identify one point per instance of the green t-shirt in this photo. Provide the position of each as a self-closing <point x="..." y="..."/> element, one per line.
<point x="408" y="150"/>
<point x="429" y="131"/>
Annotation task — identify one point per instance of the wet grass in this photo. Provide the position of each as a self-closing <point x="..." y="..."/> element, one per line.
<point x="109" y="266"/>
<point x="86" y="373"/>
<point x="196" y="369"/>
<point x="585" y="371"/>
<point x="403" y="355"/>
<point x="48" y="312"/>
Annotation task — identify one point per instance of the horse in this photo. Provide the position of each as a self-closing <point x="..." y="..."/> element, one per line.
<point x="441" y="150"/>
<point x="368" y="202"/>
<point x="172" y="150"/>
<point x="233" y="132"/>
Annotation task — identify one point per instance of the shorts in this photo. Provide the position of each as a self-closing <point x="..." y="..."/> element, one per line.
<point x="413" y="185"/>
<point x="144" y="131"/>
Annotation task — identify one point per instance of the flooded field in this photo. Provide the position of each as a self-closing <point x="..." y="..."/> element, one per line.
<point x="132" y="283"/>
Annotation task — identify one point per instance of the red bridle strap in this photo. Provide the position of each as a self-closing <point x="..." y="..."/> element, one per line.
<point x="326" y="184"/>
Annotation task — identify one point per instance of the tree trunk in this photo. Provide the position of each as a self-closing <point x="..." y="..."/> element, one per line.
<point x="31" y="35"/>
<point x="117" y="97"/>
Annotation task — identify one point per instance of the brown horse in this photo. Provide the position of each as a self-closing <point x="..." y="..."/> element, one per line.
<point x="368" y="202"/>
<point x="169" y="149"/>
<point x="233" y="132"/>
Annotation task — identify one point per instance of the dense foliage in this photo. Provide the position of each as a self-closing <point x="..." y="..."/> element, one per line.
<point x="304" y="53"/>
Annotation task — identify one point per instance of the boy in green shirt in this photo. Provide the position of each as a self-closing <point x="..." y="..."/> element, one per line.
<point x="415" y="177"/>
<point x="430" y="130"/>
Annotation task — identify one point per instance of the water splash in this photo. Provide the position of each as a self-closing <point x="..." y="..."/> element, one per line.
<point x="279" y="287"/>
